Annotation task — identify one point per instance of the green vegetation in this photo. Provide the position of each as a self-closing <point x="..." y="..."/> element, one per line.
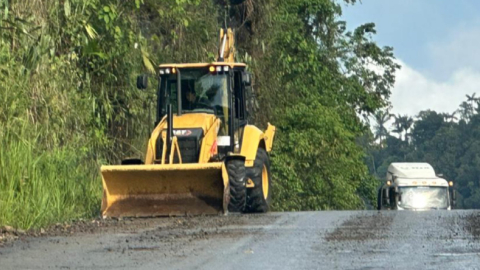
<point x="65" y="74"/>
<point x="321" y="84"/>
<point x="449" y="142"/>
<point x="42" y="188"/>
<point x="67" y="71"/>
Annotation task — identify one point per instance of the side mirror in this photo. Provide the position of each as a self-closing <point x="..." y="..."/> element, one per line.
<point x="454" y="198"/>
<point x="247" y="78"/>
<point x="142" y="81"/>
<point x="386" y="196"/>
<point x="398" y="193"/>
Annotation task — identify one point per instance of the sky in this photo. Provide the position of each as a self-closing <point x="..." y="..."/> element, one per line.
<point x="437" y="43"/>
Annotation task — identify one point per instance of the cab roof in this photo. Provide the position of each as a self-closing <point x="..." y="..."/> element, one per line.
<point x="200" y="65"/>
<point x="410" y="170"/>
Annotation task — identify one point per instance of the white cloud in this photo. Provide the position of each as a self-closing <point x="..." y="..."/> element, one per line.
<point x="456" y="50"/>
<point x="414" y="92"/>
<point x="452" y="73"/>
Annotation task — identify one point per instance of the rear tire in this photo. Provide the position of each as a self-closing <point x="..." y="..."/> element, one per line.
<point x="237" y="183"/>
<point x="259" y="197"/>
<point x="379" y="199"/>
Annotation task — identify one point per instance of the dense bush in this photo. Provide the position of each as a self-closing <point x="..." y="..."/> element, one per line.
<point x="67" y="69"/>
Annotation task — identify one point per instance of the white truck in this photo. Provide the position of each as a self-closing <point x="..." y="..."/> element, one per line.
<point x="415" y="186"/>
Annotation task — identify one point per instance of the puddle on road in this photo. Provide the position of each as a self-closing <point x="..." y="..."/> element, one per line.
<point x="143" y="248"/>
<point x="123" y="249"/>
<point x="456" y="254"/>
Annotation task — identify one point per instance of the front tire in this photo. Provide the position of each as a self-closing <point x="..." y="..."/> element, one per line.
<point x="237" y="183"/>
<point x="259" y="197"/>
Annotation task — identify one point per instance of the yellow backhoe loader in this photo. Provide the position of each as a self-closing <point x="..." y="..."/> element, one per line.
<point x="202" y="157"/>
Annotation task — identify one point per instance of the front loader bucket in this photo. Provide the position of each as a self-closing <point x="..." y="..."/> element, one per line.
<point x="162" y="190"/>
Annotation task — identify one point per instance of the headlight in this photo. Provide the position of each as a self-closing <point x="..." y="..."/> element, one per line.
<point x="225" y="68"/>
<point x="167" y="71"/>
<point x="219" y="68"/>
<point x="162" y="71"/>
<point x="419" y="201"/>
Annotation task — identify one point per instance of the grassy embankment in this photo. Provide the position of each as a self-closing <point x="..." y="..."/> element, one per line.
<point x="67" y="106"/>
<point x="39" y="188"/>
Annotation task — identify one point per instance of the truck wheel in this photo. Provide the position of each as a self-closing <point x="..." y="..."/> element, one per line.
<point x="237" y="183"/>
<point x="259" y="197"/>
<point x="379" y="199"/>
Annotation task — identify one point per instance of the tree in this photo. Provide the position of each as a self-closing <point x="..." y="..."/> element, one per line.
<point x="450" y="117"/>
<point x="403" y="124"/>
<point x="471" y="98"/>
<point x="381" y="118"/>
<point x="407" y="125"/>
<point x="428" y="123"/>
<point x="465" y="111"/>
<point x="339" y="85"/>
<point x="398" y="128"/>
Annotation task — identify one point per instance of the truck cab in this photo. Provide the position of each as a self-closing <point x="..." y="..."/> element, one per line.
<point x="415" y="186"/>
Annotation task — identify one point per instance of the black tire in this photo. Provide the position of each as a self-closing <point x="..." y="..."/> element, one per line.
<point x="256" y="200"/>
<point x="379" y="199"/>
<point x="237" y="183"/>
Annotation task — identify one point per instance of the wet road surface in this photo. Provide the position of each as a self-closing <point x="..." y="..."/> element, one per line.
<point x="304" y="240"/>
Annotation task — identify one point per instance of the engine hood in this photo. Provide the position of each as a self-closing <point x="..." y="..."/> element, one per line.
<point x="192" y="127"/>
<point x="188" y="121"/>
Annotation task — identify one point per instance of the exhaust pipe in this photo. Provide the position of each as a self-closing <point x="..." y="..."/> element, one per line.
<point x="169" y="126"/>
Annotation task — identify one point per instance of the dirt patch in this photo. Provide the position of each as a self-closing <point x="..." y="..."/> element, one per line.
<point x="362" y="228"/>
<point x="175" y="239"/>
<point x="205" y="227"/>
<point x="158" y="229"/>
<point x="10" y="235"/>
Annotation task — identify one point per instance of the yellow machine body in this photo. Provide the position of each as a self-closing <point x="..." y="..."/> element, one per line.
<point x="164" y="185"/>
<point x="156" y="189"/>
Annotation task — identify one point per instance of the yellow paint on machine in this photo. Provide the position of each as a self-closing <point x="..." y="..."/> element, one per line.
<point x="256" y="138"/>
<point x="207" y="122"/>
<point x="163" y="190"/>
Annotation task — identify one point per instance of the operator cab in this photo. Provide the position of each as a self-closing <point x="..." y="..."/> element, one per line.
<point x="220" y="89"/>
<point x="216" y="88"/>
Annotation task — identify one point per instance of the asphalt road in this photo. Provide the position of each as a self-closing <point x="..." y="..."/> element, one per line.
<point x="305" y="240"/>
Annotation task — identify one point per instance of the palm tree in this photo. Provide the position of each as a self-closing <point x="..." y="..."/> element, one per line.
<point x="403" y="124"/>
<point x="398" y="125"/>
<point x="472" y="99"/>
<point x="450" y="117"/>
<point x="407" y="126"/>
<point x="381" y="118"/>
<point x="465" y="110"/>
